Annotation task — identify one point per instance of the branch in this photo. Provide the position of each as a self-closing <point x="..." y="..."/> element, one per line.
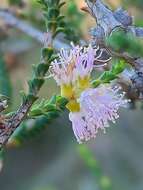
<point x="9" y="19"/>
<point x="107" y="22"/>
<point x="34" y="86"/>
<point x="40" y="70"/>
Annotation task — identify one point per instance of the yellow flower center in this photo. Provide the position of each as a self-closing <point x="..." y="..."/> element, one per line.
<point x="67" y="91"/>
<point x="83" y="83"/>
<point x="73" y="92"/>
<point x="73" y="106"/>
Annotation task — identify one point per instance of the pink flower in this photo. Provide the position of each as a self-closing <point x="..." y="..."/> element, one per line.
<point x="73" y="63"/>
<point x="101" y="105"/>
<point x="85" y="62"/>
<point x="98" y="107"/>
<point x="62" y="70"/>
<point x="83" y="130"/>
<point x="90" y="108"/>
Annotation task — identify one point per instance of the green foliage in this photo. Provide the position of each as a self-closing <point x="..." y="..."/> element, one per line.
<point x="51" y="12"/>
<point x="110" y="75"/>
<point x="15" y="2"/>
<point x="87" y="156"/>
<point x="46" y="107"/>
<point x="39" y="72"/>
<point x="57" y="23"/>
<point x="73" y="19"/>
<point x="138" y="22"/>
<point x="43" y="113"/>
<point x="47" y="188"/>
<point x="5" y="83"/>
<point x="47" y="54"/>
<point x="125" y="42"/>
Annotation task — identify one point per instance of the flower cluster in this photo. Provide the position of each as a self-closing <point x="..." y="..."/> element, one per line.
<point x="90" y="108"/>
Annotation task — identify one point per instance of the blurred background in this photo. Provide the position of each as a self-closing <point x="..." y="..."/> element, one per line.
<point x="52" y="160"/>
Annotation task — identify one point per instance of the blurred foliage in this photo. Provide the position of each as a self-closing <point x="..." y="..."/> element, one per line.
<point x="5" y="83"/>
<point x="122" y="42"/>
<point x="15" y="2"/>
<point x="137" y="3"/>
<point x="29" y="130"/>
<point x="1" y="159"/>
<point x="103" y="181"/>
<point x="139" y="22"/>
<point x="74" y="19"/>
<point x="47" y="188"/>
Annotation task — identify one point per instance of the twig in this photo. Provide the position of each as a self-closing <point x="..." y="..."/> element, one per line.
<point x="11" y="20"/>
<point x="107" y="22"/>
<point x="34" y="86"/>
<point x="40" y="69"/>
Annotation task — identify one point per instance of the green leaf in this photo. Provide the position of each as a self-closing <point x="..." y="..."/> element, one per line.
<point x="53" y="13"/>
<point x="48" y="108"/>
<point x="58" y="30"/>
<point x="47" y="53"/>
<point x="61" y="4"/>
<point x="108" y="76"/>
<point x="35" y="112"/>
<point x="53" y="99"/>
<point x="118" y="67"/>
<point x="61" y="101"/>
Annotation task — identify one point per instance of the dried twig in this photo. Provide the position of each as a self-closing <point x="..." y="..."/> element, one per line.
<point x="107" y="22"/>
